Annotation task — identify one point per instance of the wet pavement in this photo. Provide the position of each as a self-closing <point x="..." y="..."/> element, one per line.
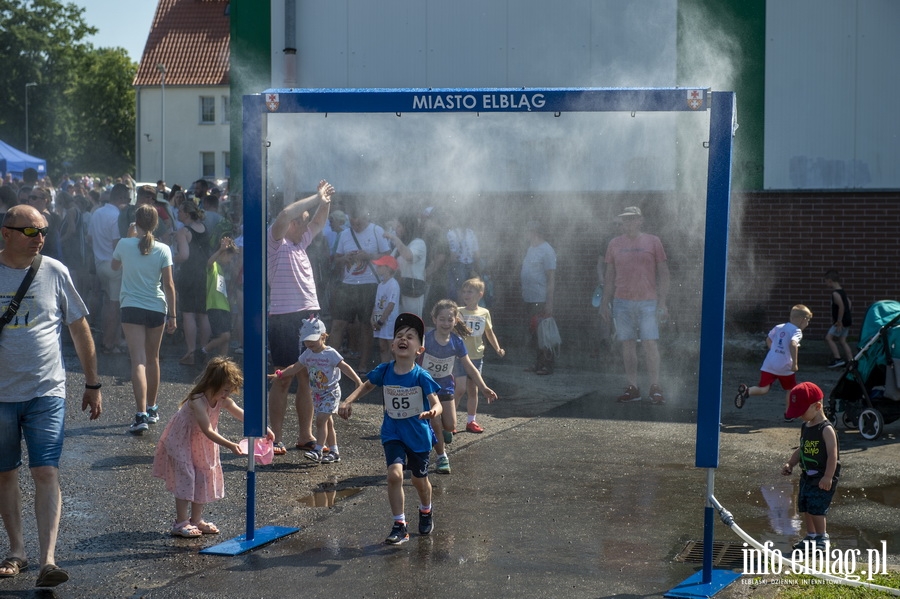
<point x="566" y="494"/>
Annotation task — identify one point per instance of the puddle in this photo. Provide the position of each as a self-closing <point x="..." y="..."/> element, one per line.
<point x="327" y="496"/>
<point x="782" y="524"/>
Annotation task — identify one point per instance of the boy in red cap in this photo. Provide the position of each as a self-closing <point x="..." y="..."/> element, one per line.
<point x="387" y="302"/>
<point x="818" y="459"/>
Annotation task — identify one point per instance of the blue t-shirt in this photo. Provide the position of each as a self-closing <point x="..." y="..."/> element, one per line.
<point x="413" y="432"/>
<point x="439" y="360"/>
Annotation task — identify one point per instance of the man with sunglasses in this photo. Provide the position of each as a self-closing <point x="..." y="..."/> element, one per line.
<point x="32" y="397"/>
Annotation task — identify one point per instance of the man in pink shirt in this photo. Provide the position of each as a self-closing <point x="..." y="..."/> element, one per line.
<point x="292" y="298"/>
<point x="636" y="283"/>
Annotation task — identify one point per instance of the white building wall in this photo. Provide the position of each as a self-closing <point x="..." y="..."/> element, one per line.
<point x="185" y="136"/>
<point x="472" y="43"/>
<point x="831" y="85"/>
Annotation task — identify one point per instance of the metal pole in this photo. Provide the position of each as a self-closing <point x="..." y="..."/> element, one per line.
<point x="162" y="121"/>
<point x="27" y="85"/>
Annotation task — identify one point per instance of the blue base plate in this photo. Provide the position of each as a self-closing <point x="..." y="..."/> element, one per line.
<point x="694" y="586"/>
<point x="240" y="544"/>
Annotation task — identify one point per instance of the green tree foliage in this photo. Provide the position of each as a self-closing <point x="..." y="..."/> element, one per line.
<point x="81" y="112"/>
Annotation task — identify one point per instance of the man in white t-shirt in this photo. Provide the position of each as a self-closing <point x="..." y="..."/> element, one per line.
<point x="538" y="278"/>
<point x="354" y="297"/>
<point x="104" y="235"/>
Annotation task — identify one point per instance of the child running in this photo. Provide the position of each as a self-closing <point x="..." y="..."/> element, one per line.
<point x="781" y="362"/>
<point x="324" y="365"/>
<point x="478" y="319"/>
<point x="443" y="347"/>
<point x="187" y="456"/>
<point x="818" y="459"/>
<point x="406" y="435"/>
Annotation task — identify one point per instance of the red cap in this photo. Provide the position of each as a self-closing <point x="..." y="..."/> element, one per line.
<point x="802" y="396"/>
<point x="388" y="261"/>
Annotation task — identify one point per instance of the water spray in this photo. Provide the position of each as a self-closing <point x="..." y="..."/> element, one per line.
<point x="796" y="566"/>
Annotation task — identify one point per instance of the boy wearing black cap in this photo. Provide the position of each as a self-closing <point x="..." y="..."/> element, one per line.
<point x="818" y="459"/>
<point x="406" y="432"/>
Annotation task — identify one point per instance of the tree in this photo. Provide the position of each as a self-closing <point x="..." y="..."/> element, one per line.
<point x="43" y="41"/>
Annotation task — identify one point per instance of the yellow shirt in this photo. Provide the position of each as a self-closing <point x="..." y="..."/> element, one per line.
<point x="478" y="320"/>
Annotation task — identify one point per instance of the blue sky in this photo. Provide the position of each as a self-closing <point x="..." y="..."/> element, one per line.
<point x="121" y="23"/>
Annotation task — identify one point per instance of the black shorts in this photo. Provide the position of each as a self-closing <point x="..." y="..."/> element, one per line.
<point x="284" y="337"/>
<point x="145" y="318"/>
<point x="354" y="301"/>
<point x="396" y="452"/>
<point x="219" y="321"/>
<point x="811" y="499"/>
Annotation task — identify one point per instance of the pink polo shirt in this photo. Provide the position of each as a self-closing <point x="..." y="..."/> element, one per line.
<point x="635" y="261"/>
<point x="291" y="282"/>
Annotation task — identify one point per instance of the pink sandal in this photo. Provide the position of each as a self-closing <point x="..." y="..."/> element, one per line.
<point x="207" y="528"/>
<point x="186" y="530"/>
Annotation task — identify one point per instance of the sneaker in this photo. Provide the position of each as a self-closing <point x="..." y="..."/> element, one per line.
<point x="656" y="396"/>
<point x="820" y="541"/>
<point x="426" y="522"/>
<point x="443" y="465"/>
<point x="448" y="437"/>
<point x="399" y="534"/>
<point x="153" y="414"/>
<point x="742" y="395"/>
<point x="474" y="427"/>
<point x="786" y="419"/>
<point x="801" y="544"/>
<point x="139" y="425"/>
<point x="632" y="393"/>
<point x="330" y="458"/>
<point x="836" y="363"/>
<point x="313" y="455"/>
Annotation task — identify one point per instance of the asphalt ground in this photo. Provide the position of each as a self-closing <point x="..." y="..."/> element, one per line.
<point x="565" y="494"/>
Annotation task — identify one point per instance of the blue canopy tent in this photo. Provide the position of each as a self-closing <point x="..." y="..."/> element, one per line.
<point x="15" y="162"/>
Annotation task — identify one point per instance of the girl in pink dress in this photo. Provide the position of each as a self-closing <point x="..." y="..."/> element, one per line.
<point x="187" y="456"/>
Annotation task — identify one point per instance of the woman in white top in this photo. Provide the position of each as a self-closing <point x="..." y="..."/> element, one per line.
<point x="410" y="252"/>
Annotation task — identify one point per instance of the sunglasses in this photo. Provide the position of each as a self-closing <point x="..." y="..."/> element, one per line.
<point x="31" y="231"/>
<point x="37" y="197"/>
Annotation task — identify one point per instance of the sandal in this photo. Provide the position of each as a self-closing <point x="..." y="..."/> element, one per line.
<point x="51" y="575"/>
<point x="308" y="446"/>
<point x="279" y="448"/>
<point x="186" y="530"/>
<point x="742" y="395"/>
<point x="207" y="528"/>
<point x="14" y="565"/>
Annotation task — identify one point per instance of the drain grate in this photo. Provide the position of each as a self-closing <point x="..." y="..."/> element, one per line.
<point x="725" y="554"/>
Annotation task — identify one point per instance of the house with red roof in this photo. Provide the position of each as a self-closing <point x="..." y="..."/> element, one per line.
<point x="182" y="94"/>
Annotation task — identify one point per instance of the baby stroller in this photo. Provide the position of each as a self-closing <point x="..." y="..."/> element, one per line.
<point x="867" y="392"/>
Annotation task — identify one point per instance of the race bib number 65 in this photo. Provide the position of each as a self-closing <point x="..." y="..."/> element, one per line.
<point x="403" y="402"/>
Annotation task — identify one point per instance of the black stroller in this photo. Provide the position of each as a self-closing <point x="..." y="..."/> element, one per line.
<point x="867" y="393"/>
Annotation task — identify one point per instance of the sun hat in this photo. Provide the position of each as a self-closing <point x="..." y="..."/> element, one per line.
<point x="312" y="330"/>
<point x="801" y="397"/>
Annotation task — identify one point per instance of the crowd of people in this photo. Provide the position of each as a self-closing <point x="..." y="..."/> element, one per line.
<point x="128" y="264"/>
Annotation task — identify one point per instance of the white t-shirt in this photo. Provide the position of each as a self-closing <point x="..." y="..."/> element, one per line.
<point x="388" y="292"/>
<point x="778" y="361"/>
<point x="538" y="260"/>
<point x="372" y="241"/>
<point x="416" y="268"/>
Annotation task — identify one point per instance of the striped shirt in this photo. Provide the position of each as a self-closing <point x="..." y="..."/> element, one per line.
<point x="291" y="282"/>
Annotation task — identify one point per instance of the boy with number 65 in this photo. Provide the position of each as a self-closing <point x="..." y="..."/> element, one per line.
<point x="410" y="402"/>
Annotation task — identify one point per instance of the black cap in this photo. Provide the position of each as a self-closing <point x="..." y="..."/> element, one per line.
<point x="407" y="319"/>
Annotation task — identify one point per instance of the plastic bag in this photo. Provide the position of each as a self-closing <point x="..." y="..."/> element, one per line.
<point x="548" y="335"/>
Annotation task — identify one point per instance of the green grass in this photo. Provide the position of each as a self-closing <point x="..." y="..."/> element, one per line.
<point x="797" y="587"/>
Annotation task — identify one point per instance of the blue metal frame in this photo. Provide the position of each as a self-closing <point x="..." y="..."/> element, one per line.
<point x="721" y="107"/>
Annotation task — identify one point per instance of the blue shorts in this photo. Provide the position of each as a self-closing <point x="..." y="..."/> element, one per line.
<point x="832" y="330"/>
<point x="395" y="452"/>
<point x="635" y="319"/>
<point x="813" y="500"/>
<point x="40" y="421"/>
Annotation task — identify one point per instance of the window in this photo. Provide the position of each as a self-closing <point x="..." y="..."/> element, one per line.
<point x="208" y="165"/>
<point x="226" y="160"/>
<point x="226" y="109"/>
<point x="207" y="109"/>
